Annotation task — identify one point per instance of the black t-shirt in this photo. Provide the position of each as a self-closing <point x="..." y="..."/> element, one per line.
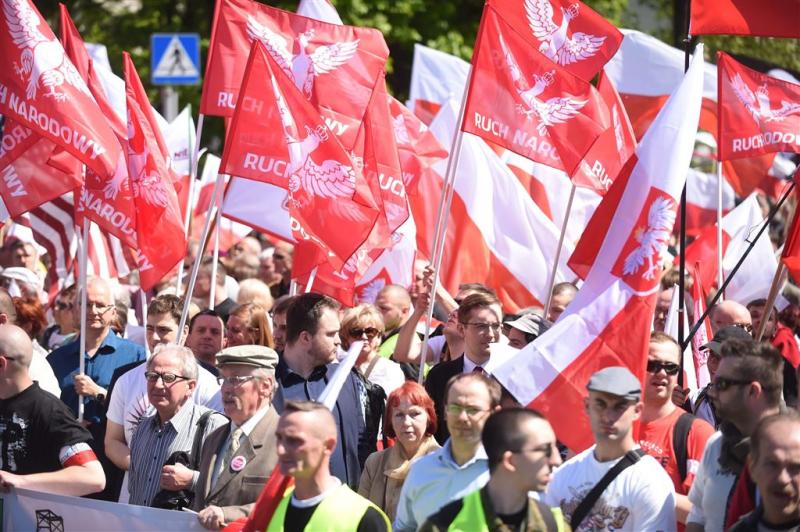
<point x="514" y="521"/>
<point x="34" y="427"/>
<point x="297" y="519"/>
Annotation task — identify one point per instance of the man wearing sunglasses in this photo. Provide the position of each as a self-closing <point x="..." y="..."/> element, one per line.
<point x="745" y="389"/>
<point x="675" y="438"/>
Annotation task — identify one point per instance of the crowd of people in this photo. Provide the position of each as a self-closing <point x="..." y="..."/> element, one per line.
<point x="199" y="418"/>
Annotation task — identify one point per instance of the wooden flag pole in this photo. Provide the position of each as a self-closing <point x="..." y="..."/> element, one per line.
<point x="777" y="282"/>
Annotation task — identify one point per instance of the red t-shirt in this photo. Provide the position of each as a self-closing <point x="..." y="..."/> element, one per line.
<point x="656" y="440"/>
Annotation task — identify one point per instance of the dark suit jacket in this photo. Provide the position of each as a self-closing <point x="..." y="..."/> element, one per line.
<point x="236" y="491"/>
<point x="435" y="385"/>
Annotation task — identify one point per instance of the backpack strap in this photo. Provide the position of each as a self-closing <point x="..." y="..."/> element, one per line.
<point x="680" y="441"/>
<point x="580" y="513"/>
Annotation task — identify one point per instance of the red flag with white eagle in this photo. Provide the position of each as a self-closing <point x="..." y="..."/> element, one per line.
<point x="278" y="137"/>
<point x="522" y="101"/>
<point x="568" y="33"/>
<point x="757" y="113"/>
<point x="604" y="160"/>
<point x="41" y="89"/>
<point x="776" y="18"/>
<point x="325" y="61"/>
<point x="158" y="220"/>
<point x="608" y="322"/>
<point x="417" y="147"/>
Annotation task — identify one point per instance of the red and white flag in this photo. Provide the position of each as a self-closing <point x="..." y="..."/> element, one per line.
<point x="40" y="88"/>
<point x="646" y="71"/>
<point x="520" y="99"/>
<point x="701" y="201"/>
<point x="739" y="227"/>
<point x="320" y="10"/>
<point x="776" y="18"/>
<point x="791" y="249"/>
<point x="570" y="34"/>
<point x="608" y="322"/>
<point x="159" y="225"/>
<point x="278" y="137"/>
<point x="704" y="333"/>
<point x="435" y="78"/>
<point x="325" y="61"/>
<point x="757" y="113"/>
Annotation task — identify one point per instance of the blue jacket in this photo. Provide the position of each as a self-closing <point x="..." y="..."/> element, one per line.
<point x="348" y="414"/>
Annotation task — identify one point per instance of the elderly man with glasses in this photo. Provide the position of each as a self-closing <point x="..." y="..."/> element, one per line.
<point x="461" y="466"/>
<point x="237" y="458"/>
<point x="178" y="426"/>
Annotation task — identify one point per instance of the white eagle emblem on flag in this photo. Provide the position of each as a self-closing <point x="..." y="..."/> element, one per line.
<point x="557" y="44"/>
<point x="652" y="239"/>
<point x="302" y="67"/>
<point x="42" y="60"/>
<point x="758" y="104"/>
<point x="556" y="110"/>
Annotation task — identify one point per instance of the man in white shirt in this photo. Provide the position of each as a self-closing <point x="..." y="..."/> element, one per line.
<point x="128" y="402"/>
<point x="640" y="497"/>
<point x="461" y="466"/>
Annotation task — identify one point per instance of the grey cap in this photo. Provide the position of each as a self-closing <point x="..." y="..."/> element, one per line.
<point x="530" y="323"/>
<point x="616" y="380"/>
<point x="731" y="332"/>
<point x="257" y="356"/>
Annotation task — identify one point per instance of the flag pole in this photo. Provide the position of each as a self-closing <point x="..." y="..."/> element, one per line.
<point x="82" y="267"/>
<point x="682" y="278"/>
<point x="217" y="220"/>
<point x="719" y="224"/>
<point x="552" y="281"/>
<point x="196" y="266"/>
<point x="440" y="231"/>
<point x="735" y="269"/>
<point x="195" y="156"/>
<point x="311" y="277"/>
<point x="777" y="282"/>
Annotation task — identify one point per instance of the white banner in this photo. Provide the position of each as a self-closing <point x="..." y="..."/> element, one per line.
<point x="31" y="510"/>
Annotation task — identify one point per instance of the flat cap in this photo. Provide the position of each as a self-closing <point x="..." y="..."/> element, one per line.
<point x="616" y="380"/>
<point x="530" y="323"/>
<point x="731" y="332"/>
<point x="258" y="356"/>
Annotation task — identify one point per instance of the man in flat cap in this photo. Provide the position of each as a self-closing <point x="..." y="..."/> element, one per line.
<point x="638" y="493"/>
<point x="237" y="459"/>
<point x="525" y="329"/>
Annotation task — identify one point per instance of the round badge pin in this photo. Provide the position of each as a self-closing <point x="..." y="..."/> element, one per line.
<point x="238" y="463"/>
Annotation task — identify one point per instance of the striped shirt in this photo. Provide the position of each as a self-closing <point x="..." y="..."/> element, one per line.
<point x="153" y="443"/>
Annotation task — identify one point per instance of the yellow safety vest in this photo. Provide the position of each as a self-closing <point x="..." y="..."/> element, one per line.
<point x="340" y="510"/>
<point x="472" y="518"/>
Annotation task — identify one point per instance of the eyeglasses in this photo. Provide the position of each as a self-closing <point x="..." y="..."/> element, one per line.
<point x="746" y="326"/>
<point x="721" y="383"/>
<point x="99" y="307"/>
<point x="235" y="381"/>
<point x="471" y="411"/>
<point x="484" y="327"/>
<point x="60" y="305"/>
<point x="670" y="368"/>
<point x="371" y="332"/>
<point x="167" y="378"/>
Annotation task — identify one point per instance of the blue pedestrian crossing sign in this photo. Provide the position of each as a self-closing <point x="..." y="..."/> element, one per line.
<point x="175" y="58"/>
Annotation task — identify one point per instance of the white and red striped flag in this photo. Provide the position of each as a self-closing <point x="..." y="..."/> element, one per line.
<point x="608" y="323"/>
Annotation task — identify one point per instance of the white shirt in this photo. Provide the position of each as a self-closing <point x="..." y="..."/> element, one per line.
<point x="640" y="498"/>
<point x="41" y="371"/>
<point x="247" y="428"/>
<point x="498" y="353"/>
<point x="386" y="373"/>
<point x="710" y="489"/>
<point x="435" y="480"/>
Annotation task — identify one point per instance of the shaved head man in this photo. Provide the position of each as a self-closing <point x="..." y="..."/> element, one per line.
<point x="45" y="448"/>
<point x="394" y="302"/>
<point x="730" y="313"/>
<point x="306" y="438"/>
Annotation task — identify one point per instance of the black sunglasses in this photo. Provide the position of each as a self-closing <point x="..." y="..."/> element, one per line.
<point x="670" y="368"/>
<point x="371" y="332"/>
<point x="721" y="383"/>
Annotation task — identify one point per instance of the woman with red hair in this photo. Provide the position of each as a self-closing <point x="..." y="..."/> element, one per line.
<point x="411" y="420"/>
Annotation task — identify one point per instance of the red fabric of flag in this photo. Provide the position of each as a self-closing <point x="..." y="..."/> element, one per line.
<point x="334" y="66"/>
<point x="776" y="18"/>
